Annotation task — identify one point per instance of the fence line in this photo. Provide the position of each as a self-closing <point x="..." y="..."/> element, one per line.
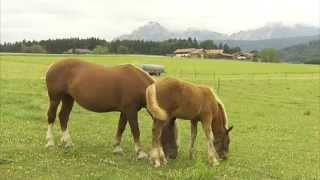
<point x="239" y="76"/>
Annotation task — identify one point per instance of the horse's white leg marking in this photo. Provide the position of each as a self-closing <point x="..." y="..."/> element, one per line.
<point x="49" y="137"/>
<point x="162" y="156"/>
<point x="155" y="157"/>
<point x="66" y="138"/>
<point x="118" y="150"/>
<point x="139" y="151"/>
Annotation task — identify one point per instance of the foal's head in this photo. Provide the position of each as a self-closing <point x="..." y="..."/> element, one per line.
<point x="221" y="143"/>
<point x="169" y="140"/>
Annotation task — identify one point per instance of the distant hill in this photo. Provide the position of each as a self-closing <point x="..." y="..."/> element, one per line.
<point x="249" y="45"/>
<point x="302" y="53"/>
<point x="276" y="31"/>
<point x="152" y="31"/>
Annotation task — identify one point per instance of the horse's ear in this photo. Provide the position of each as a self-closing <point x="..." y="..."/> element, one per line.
<point x="229" y="129"/>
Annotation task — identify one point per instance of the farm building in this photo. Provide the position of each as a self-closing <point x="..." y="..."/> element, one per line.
<point x="200" y="53"/>
<point x="244" y="56"/>
<point x="214" y="51"/>
<point x="78" y="51"/>
<point x="184" y="52"/>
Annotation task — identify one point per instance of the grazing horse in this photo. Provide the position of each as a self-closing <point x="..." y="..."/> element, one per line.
<point x="100" y="89"/>
<point x="170" y="98"/>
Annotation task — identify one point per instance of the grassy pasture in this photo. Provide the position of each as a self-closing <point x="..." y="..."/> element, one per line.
<point x="276" y="118"/>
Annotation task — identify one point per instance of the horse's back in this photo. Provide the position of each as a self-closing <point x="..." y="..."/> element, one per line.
<point x="181" y="99"/>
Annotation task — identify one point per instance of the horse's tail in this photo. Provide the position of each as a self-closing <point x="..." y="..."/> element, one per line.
<point x="152" y="104"/>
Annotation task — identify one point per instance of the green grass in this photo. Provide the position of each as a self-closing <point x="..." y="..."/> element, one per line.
<point x="276" y="120"/>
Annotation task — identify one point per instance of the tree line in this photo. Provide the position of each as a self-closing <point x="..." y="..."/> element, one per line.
<point x="100" y="46"/>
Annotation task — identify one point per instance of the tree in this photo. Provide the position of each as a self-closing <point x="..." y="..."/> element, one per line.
<point x="226" y="48"/>
<point x="268" y="55"/>
<point x="207" y="44"/>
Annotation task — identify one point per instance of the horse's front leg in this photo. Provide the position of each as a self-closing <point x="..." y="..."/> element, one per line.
<point x="194" y="124"/>
<point x="206" y="125"/>
<point x="117" y="140"/>
<point x="156" y="154"/>
<point x="132" y="116"/>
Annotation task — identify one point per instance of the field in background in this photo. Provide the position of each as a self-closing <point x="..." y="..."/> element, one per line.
<point x="275" y="110"/>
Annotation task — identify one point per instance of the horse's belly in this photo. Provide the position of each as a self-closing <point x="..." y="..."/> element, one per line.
<point x="97" y="107"/>
<point x="96" y="102"/>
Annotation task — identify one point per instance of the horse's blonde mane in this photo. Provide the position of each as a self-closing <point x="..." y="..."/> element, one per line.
<point x="147" y="74"/>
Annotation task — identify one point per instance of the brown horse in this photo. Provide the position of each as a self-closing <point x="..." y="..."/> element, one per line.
<point x="100" y="89"/>
<point x="170" y="98"/>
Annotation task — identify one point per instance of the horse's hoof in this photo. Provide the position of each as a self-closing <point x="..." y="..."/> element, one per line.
<point x="214" y="162"/>
<point x="142" y="155"/>
<point x="164" y="161"/>
<point x="118" y="150"/>
<point x="68" y="145"/>
<point x="157" y="164"/>
<point x="49" y="144"/>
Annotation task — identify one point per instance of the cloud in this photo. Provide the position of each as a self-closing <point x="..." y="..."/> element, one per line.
<point x="43" y="19"/>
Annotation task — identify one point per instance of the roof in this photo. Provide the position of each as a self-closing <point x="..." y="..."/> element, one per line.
<point x="197" y="51"/>
<point x="187" y="50"/>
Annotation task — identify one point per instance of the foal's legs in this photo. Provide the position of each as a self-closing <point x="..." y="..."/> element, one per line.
<point x="67" y="104"/>
<point x="132" y="116"/>
<point x="194" y="124"/>
<point x="212" y="154"/>
<point x="121" y="127"/>
<point x="54" y="103"/>
<point x="156" y="154"/>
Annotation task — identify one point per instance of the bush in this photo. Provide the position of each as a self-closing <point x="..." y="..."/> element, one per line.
<point x="33" y="49"/>
<point x="268" y="55"/>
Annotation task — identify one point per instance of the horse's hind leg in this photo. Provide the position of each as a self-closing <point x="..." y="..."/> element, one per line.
<point x="52" y="110"/>
<point x="206" y="125"/>
<point x="121" y="127"/>
<point x="67" y="104"/>
<point x="132" y="116"/>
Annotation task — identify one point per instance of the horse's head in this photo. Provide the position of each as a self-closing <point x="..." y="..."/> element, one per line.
<point x="221" y="142"/>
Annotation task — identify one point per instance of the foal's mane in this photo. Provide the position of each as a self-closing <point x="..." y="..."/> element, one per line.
<point x="221" y="108"/>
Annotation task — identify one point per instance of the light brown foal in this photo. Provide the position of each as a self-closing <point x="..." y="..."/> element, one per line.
<point x="170" y="98"/>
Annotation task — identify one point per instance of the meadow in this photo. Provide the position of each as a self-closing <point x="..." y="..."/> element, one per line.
<point x="274" y="108"/>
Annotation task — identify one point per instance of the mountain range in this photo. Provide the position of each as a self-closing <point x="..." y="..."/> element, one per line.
<point x="274" y="35"/>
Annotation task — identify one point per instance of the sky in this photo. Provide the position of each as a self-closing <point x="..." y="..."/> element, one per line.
<point x="44" y="19"/>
